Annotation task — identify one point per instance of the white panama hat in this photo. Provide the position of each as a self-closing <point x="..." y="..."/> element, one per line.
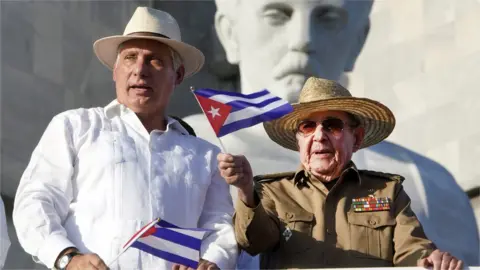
<point x="153" y="24"/>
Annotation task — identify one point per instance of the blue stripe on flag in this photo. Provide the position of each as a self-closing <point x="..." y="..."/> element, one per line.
<point x="176" y="237"/>
<point x="166" y="255"/>
<point x="270" y="115"/>
<point x="165" y="224"/>
<point x="205" y="92"/>
<point x="239" y="105"/>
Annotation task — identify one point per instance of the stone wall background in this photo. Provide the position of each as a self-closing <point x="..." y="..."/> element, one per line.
<point x="421" y="59"/>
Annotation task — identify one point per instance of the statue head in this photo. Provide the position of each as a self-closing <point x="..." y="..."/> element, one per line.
<point x="278" y="44"/>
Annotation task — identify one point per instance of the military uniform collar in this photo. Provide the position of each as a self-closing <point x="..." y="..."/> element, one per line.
<point x="115" y="108"/>
<point x="302" y="176"/>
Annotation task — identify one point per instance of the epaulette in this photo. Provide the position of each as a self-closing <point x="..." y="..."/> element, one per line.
<point x="273" y="177"/>
<point x="384" y="176"/>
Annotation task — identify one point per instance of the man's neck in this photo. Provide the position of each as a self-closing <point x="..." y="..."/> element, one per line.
<point x="152" y="122"/>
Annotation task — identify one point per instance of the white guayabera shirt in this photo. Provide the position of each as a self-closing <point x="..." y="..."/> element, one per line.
<point x="97" y="176"/>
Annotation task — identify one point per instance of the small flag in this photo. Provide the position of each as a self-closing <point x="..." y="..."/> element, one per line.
<point x="169" y="242"/>
<point x="370" y="203"/>
<point x="228" y="111"/>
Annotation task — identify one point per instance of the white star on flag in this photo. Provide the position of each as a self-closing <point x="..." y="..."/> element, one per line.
<point x="214" y="111"/>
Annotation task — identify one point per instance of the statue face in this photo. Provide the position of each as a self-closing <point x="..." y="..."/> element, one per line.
<point x="278" y="44"/>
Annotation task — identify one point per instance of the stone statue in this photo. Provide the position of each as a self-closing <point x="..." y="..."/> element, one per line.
<point x="278" y="45"/>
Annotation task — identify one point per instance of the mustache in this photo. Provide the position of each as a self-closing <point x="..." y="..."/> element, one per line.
<point x="296" y="63"/>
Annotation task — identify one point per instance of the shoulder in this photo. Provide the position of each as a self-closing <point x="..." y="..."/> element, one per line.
<point x="382" y="176"/>
<point x="73" y="117"/>
<point x="79" y="113"/>
<point x="274" y="177"/>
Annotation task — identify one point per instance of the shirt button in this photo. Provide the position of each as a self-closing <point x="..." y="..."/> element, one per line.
<point x="372" y="222"/>
<point x="329" y="232"/>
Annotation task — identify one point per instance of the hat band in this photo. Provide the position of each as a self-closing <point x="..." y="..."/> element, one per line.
<point x="148" y="34"/>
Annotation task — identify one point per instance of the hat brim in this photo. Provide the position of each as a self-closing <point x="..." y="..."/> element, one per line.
<point x="106" y="51"/>
<point x="377" y="120"/>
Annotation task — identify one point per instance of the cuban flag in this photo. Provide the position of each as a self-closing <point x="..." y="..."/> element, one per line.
<point x="228" y="112"/>
<point x="169" y="242"/>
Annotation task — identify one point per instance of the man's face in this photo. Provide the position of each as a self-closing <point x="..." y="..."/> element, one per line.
<point x="283" y="42"/>
<point x="326" y="142"/>
<point x="144" y="76"/>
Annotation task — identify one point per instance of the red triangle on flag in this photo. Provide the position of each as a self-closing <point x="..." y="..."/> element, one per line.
<point x="215" y="111"/>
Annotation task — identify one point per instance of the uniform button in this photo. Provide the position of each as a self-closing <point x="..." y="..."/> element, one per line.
<point x="372" y="222"/>
<point x="329" y="231"/>
<point x="289" y="215"/>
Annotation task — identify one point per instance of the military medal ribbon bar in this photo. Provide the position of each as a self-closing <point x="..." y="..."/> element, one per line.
<point x="371" y="203"/>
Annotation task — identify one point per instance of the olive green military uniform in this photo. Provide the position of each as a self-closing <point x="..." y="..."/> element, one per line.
<point x="299" y="223"/>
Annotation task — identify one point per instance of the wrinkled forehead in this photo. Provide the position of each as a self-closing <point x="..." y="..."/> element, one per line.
<point x="321" y="115"/>
<point x="144" y="45"/>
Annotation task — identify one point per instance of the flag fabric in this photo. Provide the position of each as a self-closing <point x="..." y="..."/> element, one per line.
<point x="228" y="111"/>
<point x="169" y="242"/>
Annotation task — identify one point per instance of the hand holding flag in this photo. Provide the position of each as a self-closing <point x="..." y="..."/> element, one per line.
<point x="169" y="242"/>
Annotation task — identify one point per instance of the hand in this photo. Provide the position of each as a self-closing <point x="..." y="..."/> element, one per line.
<point x="235" y="170"/>
<point x="440" y="260"/>
<point x="202" y="265"/>
<point x="87" y="262"/>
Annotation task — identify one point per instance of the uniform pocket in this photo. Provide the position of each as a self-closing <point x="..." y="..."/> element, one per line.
<point x="297" y="231"/>
<point x="371" y="233"/>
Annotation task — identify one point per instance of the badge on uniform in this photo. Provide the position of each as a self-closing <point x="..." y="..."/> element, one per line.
<point x="287" y="233"/>
<point x="370" y="203"/>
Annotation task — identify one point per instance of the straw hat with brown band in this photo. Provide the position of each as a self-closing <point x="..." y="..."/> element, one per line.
<point x="326" y="95"/>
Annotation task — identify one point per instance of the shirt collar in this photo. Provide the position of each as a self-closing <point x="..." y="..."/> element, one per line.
<point x="302" y="176"/>
<point x="115" y="108"/>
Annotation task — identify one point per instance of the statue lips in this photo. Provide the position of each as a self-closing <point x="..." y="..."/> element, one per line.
<point x="296" y="65"/>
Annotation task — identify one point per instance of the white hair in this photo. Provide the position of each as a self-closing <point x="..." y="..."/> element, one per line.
<point x="177" y="60"/>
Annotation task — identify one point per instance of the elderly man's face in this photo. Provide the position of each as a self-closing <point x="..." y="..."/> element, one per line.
<point x="144" y="76"/>
<point x="280" y="43"/>
<point x="328" y="148"/>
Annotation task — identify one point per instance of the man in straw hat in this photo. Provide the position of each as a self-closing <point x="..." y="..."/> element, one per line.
<point x="328" y="213"/>
<point x="277" y="45"/>
<point x="99" y="175"/>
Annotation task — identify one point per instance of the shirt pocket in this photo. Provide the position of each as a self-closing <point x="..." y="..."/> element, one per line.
<point x="296" y="234"/>
<point x="371" y="234"/>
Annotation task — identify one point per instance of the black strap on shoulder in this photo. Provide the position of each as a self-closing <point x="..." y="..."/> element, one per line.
<point x="185" y="125"/>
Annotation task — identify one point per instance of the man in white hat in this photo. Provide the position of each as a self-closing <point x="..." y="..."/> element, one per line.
<point x="328" y="213"/>
<point x="99" y="175"/>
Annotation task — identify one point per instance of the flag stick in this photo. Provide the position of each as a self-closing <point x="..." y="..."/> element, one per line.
<point x="224" y="150"/>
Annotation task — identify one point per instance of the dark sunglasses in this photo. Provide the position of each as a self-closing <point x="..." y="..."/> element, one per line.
<point x="331" y="125"/>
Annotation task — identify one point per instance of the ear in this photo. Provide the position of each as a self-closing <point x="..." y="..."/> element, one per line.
<point x="359" y="134"/>
<point x="224" y="27"/>
<point x="180" y="75"/>
<point x="357" y="47"/>
<point x="114" y="76"/>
